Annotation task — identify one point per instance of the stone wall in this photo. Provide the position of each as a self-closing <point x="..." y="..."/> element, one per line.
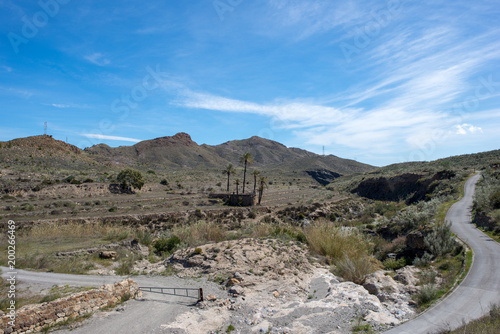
<point x="33" y="318"/>
<point x="237" y="200"/>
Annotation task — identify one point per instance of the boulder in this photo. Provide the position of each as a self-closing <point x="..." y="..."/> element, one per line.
<point x="236" y="290"/>
<point x="238" y="276"/>
<point x="379" y="284"/>
<point x="211" y="298"/>
<point x="407" y="275"/>
<point x="232" y="281"/>
<point x="107" y="254"/>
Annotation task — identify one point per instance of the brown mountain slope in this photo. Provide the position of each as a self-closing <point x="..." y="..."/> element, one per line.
<point x="164" y="152"/>
<point x="271" y="154"/>
<point x="171" y="152"/>
<point x="43" y="152"/>
<point x="41" y="143"/>
<point x="181" y="151"/>
<point x="265" y="152"/>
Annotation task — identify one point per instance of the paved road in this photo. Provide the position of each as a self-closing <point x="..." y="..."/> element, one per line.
<point x="149" y="314"/>
<point x="478" y="291"/>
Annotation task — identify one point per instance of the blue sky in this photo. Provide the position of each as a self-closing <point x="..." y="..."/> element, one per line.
<point x="376" y="81"/>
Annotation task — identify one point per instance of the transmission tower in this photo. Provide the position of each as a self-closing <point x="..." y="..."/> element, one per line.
<point x="45" y="128"/>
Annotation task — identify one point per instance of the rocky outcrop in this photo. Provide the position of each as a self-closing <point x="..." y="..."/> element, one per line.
<point x="107" y="250"/>
<point x="270" y="258"/>
<point x="409" y="187"/>
<point x="395" y="293"/>
<point x="323" y="176"/>
<point x="270" y="285"/>
<point x="34" y="318"/>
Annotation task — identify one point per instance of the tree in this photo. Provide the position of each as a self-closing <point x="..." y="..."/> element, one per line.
<point x="229" y="170"/>
<point x="247" y="159"/>
<point x="255" y="174"/>
<point x="237" y="182"/>
<point x="129" y="178"/>
<point x="262" y="185"/>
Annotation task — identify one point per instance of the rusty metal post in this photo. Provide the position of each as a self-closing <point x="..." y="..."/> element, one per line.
<point x="200" y="295"/>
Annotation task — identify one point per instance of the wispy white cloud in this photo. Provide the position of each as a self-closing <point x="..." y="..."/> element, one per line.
<point x="406" y="105"/>
<point x="97" y="59"/>
<point x="463" y="129"/>
<point x="289" y="114"/>
<point x="99" y="136"/>
<point x="65" y="105"/>
<point x="23" y="93"/>
<point x="314" y="17"/>
<point x="7" y="68"/>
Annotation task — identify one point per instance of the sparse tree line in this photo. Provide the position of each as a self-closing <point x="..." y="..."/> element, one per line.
<point x="130" y="178"/>
<point x="258" y="180"/>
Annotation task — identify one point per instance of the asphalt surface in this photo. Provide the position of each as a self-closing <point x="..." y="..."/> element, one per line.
<point x="481" y="288"/>
<point x="149" y="314"/>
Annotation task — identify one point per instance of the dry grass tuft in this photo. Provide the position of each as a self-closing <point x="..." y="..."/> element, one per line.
<point x="346" y="248"/>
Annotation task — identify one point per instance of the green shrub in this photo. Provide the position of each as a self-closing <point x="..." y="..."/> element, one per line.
<point x="130" y="178"/>
<point x="393" y="264"/>
<point x="50" y="297"/>
<point x="164" y="182"/>
<point x="495" y="200"/>
<point x="144" y="237"/>
<point x="166" y="245"/>
<point x="198" y="251"/>
<point x="423" y="261"/>
<point x="72" y="180"/>
<point x="427" y="294"/>
<point x="440" y="240"/>
<point x="117" y="234"/>
<point x="124" y="268"/>
<point x="126" y="296"/>
<point x="301" y="237"/>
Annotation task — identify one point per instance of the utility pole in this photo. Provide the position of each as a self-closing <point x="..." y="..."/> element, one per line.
<point x="45" y="128"/>
<point x="323" y="150"/>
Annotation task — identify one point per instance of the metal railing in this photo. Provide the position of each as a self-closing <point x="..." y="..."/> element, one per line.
<point x="174" y="292"/>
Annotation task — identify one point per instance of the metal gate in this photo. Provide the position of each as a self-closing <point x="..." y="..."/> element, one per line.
<point x="182" y="292"/>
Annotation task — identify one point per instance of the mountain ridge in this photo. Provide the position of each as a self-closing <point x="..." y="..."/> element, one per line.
<point x="180" y="151"/>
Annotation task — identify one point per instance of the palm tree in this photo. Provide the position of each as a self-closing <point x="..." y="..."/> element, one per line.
<point x="237" y="182"/>
<point x="229" y="171"/>
<point x="255" y="174"/>
<point x="262" y="185"/>
<point x="246" y="159"/>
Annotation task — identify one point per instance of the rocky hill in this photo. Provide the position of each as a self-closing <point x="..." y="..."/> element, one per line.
<point x="270" y="154"/>
<point x="180" y="151"/>
<point x="45" y="157"/>
<point x="42" y="152"/>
